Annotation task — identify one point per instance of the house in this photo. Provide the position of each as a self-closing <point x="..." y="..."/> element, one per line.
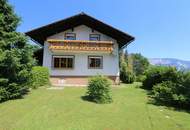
<point x="79" y="47"/>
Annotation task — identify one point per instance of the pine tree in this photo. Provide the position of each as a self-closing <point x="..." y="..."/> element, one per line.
<point x="15" y="55"/>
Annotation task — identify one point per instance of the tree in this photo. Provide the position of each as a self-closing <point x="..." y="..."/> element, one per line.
<point x="15" y="55"/>
<point x="140" y="64"/>
<point x="126" y="68"/>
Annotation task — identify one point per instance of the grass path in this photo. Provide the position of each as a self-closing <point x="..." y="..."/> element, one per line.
<point x="64" y="109"/>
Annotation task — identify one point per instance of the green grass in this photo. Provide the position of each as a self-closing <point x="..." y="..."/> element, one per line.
<point x="45" y="109"/>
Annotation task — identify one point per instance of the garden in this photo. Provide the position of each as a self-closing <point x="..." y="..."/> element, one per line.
<point x="148" y="98"/>
<point x="49" y="109"/>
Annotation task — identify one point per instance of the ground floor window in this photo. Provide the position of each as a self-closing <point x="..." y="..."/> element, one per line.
<point x="95" y="62"/>
<point x="65" y="62"/>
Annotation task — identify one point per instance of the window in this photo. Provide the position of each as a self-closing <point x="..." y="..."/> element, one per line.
<point x="95" y="62"/>
<point x="70" y="36"/>
<point x="94" y="37"/>
<point x="66" y="62"/>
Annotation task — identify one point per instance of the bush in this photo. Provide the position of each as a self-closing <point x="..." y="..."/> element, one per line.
<point x="158" y="74"/>
<point x="11" y="90"/>
<point x="99" y="90"/>
<point x="171" y="93"/>
<point x="170" y="86"/>
<point x="140" y="78"/>
<point x="3" y="94"/>
<point x="16" y="90"/>
<point x="164" y="91"/>
<point x="125" y="75"/>
<point x="40" y="76"/>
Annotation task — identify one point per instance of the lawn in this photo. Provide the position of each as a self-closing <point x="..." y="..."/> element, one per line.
<point x="45" y="109"/>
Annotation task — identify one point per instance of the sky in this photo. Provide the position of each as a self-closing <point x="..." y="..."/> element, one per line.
<point x="161" y="27"/>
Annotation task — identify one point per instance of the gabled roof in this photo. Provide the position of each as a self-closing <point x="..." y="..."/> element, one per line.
<point x="40" y="34"/>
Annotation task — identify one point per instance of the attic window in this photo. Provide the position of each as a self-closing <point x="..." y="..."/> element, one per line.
<point x="94" y="37"/>
<point x="70" y="36"/>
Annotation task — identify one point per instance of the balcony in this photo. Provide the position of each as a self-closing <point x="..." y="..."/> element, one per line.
<point x="80" y="45"/>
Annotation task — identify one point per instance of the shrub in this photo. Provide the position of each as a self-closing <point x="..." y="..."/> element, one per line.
<point x="40" y="76"/>
<point x="16" y="90"/>
<point x="158" y="74"/>
<point x="171" y="93"/>
<point x="99" y="89"/>
<point x="125" y="75"/>
<point x="11" y="90"/>
<point x="3" y="94"/>
<point x="164" y="91"/>
<point x="140" y="78"/>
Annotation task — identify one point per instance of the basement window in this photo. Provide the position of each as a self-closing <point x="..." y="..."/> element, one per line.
<point x="63" y="62"/>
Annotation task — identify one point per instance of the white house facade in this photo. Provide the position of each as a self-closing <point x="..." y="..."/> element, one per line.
<point x="77" y="48"/>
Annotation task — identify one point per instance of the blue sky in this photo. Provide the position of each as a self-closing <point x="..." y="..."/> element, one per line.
<point x="161" y="27"/>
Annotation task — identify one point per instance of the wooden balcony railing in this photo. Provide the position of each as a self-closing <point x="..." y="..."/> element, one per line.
<point x="80" y="45"/>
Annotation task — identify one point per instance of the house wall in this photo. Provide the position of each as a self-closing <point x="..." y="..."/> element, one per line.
<point x="110" y="61"/>
<point x="82" y="33"/>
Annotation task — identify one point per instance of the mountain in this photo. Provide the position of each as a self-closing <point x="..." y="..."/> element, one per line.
<point x="179" y="64"/>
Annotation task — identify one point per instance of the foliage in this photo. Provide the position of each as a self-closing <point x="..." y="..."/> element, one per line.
<point x="133" y="67"/>
<point x="99" y="89"/>
<point x="140" y="64"/>
<point x="126" y="76"/>
<point x="158" y="74"/>
<point x="15" y="55"/>
<point x="170" y="86"/>
<point x="123" y="55"/>
<point x="140" y="78"/>
<point x="172" y="93"/>
<point x="126" y="71"/>
<point x="40" y="76"/>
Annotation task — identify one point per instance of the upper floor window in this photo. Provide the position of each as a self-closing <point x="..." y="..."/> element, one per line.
<point x="70" y="36"/>
<point x="63" y="62"/>
<point x="94" y="37"/>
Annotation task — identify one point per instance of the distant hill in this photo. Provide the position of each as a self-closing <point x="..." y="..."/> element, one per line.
<point x="180" y="64"/>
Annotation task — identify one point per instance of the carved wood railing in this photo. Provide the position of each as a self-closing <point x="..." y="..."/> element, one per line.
<point x="80" y="45"/>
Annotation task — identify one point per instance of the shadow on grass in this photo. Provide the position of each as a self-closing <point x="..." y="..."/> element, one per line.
<point x="87" y="99"/>
<point x="168" y="106"/>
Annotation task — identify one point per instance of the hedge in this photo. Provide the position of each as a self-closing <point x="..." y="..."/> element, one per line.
<point x="40" y="76"/>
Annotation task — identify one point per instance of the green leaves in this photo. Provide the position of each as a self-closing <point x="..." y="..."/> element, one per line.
<point x="39" y="76"/>
<point x="8" y="20"/>
<point x="16" y="59"/>
<point x="140" y="64"/>
<point x="125" y="75"/>
<point x="99" y="90"/>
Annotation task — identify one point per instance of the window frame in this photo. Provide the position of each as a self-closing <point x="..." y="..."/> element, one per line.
<point x="101" y="62"/>
<point x="74" y="34"/>
<point x="99" y="37"/>
<point x="63" y="56"/>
